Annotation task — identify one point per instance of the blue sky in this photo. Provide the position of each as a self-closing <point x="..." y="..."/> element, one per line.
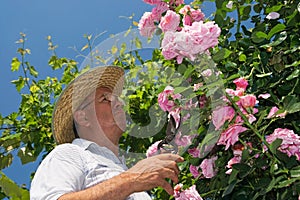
<point x="66" y="21"/>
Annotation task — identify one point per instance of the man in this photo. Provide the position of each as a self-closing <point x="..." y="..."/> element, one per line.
<point x="88" y="121"/>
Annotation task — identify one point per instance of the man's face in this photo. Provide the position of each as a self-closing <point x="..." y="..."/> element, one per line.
<point x="109" y="111"/>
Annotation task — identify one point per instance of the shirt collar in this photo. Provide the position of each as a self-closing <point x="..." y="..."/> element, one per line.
<point x="82" y="143"/>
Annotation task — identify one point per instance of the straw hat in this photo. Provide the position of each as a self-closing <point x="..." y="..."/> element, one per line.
<point x="75" y="93"/>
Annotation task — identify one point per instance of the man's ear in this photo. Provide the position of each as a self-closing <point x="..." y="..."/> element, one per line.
<point x="80" y="118"/>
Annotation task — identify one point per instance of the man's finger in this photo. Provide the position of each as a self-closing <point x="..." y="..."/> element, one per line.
<point x="169" y="156"/>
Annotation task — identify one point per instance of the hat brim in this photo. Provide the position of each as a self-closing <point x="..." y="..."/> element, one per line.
<point x="76" y="92"/>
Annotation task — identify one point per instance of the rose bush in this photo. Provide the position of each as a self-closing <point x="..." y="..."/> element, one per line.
<point x="247" y="141"/>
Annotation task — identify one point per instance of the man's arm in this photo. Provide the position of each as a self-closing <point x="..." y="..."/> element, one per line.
<point x="145" y="175"/>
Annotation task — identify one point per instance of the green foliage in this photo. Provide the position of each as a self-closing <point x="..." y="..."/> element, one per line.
<point x="265" y="51"/>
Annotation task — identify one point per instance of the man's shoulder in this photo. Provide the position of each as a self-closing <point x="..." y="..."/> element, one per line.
<point x="67" y="151"/>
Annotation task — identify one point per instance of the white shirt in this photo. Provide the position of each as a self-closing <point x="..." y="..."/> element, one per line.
<point x="74" y="167"/>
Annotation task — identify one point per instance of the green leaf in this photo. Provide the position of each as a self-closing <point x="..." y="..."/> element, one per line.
<point x="275" y="29"/>
<point x="5" y="160"/>
<point x="258" y="36"/>
<point x="11" y="189"/>
<point x="20" y="83"/>
<point x="273" y="8"/>
<point x="138" y="43"/>
<point x="26" y="156"/>
<point x="243" y="169"/>
<point x="208" y="143"/>
<point x="274" y="145"/>
<point x="222" y="54"/>
<point x="261" y="34"/>
<point x="242" y="57"/>
<point x="287" y="183"/>
<point x="32" y="71"/>
<point x="294" y="108"/>
<point x="15" y="64"/>
<point x="229" y="188"/>
<point x="282" y="37"/>
<point x="295" y="74"/>
<point x="295" y="172"/>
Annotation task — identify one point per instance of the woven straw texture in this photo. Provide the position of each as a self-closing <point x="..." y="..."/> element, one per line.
<point x="76" y="92"/>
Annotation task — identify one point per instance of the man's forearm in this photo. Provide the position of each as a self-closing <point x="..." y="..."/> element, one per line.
<point x="116" y="188"/>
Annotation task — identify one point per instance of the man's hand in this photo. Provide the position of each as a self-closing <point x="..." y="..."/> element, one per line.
<point x="152" y="172"/>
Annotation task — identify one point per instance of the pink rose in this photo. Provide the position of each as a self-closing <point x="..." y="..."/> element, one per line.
<point x="194" y="171"/>
<point x="231" y="135"/>
<point x="222" y="114"/>
<point x="159" y="10"/>
<point x="152" y="150"/>
<point x="194" y="152"/>
<point x="264" y="96"/>
<point x="238" y="92"/>
<point x="185" y="140"/>
<point x="191" y="15"/>
<point x="146" y="25"/>
<point x="168" y="46"/>
<point x="187" y="20"/>
<point x="170" y="21"/>
<point x="290" y="141"/>
<point x="188" y="194"/>
<point x="190" y="41"/>
<point x="248" y="101"/>
<point x="241" y="83"/>
<point x="273" y="112"/>
<point x="197" y="15"/>
<point x="152" y="2"/>
<point x="208" y="167"/>
<point x="166" y="99"/>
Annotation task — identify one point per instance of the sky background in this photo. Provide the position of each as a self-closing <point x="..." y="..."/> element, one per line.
<point x="66" y="21"/>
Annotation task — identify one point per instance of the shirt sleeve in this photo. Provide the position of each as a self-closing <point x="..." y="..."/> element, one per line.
<point x="61" y="172"/>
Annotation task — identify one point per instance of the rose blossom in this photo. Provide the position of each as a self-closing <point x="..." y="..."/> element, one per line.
<point x="236" y="159"/>
<point x="152" y="2"/>
<point x="191" y="15"/>
<point x="170" y="21"/>
<point x="159" y="10"/>
<point x="264" y="96"/>
<point x="248" y="100"/>
<point x="146" y="25"/>
<point x="190" y="41"/>
<point x="168" y="46"/>
<point x="194" y="152"/>
<point x="208" y="167"/>
<point x="184" y="140"/>
<point x="290" y="141"/>
<point x="222" y="114"/>
<point x="152" y="150"/>
<point x="166" y="99"/>
<point x="194" y="171"/>
<point x="273" y="112"/>
<point x="241" y="83"/>
<point x="238" y="92"/>
<point x="231" y="135"/>
<point x="188" y="194"/>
